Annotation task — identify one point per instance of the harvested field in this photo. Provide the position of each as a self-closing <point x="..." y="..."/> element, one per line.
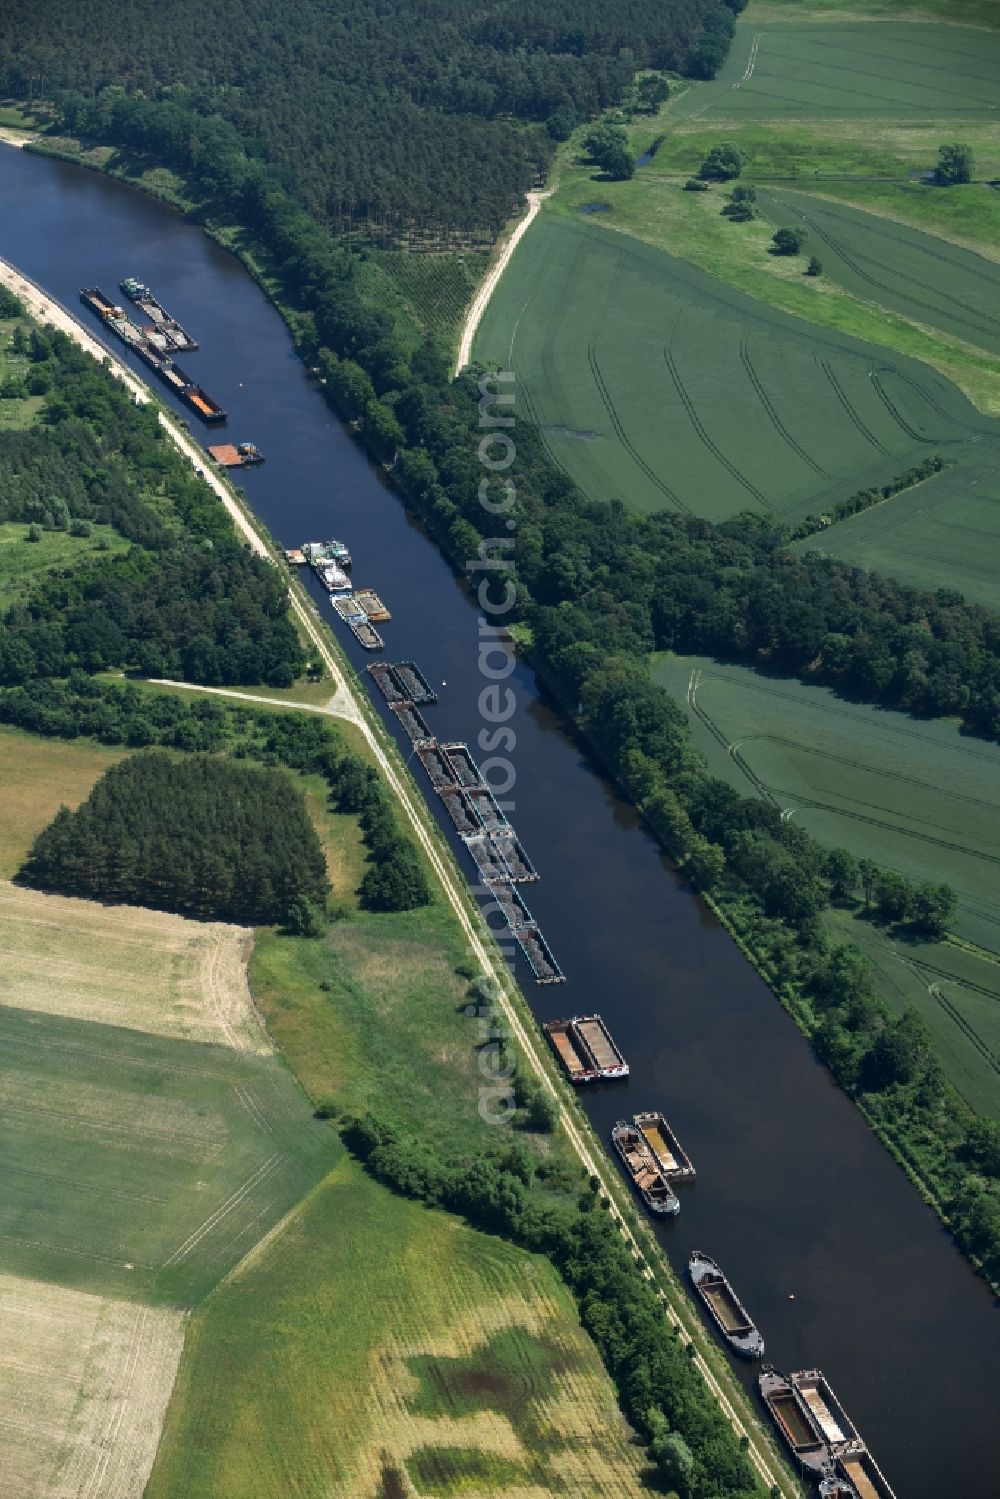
<point x="127" y="966"/>
<point x="84" y="1386"/>
<point x="877" y="69"/>
<point x="657" y="384"/>
<point x="468" y="1351"/>
<point x="37" y="776"/>
<point x="140" y="1166"/>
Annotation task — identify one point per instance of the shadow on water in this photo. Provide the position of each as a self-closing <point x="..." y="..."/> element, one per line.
<point x="794" y="1194"/>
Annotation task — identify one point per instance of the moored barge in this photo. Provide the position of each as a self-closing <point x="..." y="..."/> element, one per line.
<point x="414" y="724"/>
<point x="673" y="1158"/>
<point x="825" y="1410"/>
<point x="371" y="605"/>
<point x="519" y="866"/>
<point x="160" y="320"/>
<point x="643" y="1169"/>
<point x="794" y="1422"/>
<point x="862" y="1477"/>
<point x="541" y="959"/>
<point x="237" y="455"/>
<point x="586" y="1050"/>
<point x="726" y="1309"/>
<point x="152" y="353"/>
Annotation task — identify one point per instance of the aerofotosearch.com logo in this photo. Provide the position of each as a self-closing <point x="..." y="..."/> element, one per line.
<point x="492" y="574"/>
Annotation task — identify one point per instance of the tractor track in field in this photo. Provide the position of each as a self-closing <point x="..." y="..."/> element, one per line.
<point x="699" y="428"/>
<point x="975" y="318"/>
<point x="848" y="406"/>
<point x="623" y="438"/>
<point x="894" y="411"/>
<point x="768" y="406"/>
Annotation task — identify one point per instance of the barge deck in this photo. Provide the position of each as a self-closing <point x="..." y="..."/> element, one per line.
<point x="160" y="319"/>
<point x="643" y="1170"/>
<point x="726" y="1309"/>
<point x="585" y="1048"/>
<point x="673" y="1158"/>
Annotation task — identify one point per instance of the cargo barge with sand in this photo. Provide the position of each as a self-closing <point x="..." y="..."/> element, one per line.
<point x="160" y="320"/>
<point x="586" y="1050"/>
<point x="673" y="1159"/>
<point x="724" y="1306"/>
<point x="821" y="1435"/>
<point x="236" y="455"/>
<point x="644" y="1169"/>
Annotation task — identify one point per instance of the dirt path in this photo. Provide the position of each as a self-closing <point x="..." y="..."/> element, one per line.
<point x="345" y="704"/>
<point x="489" y="286"/>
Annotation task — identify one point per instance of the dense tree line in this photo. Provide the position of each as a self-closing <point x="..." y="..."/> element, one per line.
<point x="119" y="713"/>
<point x="659" y="1388"/>
<point x="400" y="113"/>
<point x="187" y="600"/>
<point x="201" y="836"/>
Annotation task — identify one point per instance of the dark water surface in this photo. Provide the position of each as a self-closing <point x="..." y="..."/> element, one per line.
<point x="794" y="1196"/>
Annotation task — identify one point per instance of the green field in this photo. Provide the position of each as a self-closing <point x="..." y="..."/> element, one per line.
<point x="917" y="797"/>
<point x="877" y="68"/>
<point x="943" y="534"/>
<point x="917" y="275"/>
<point x="377" y="1342"/>
<point x="22" y="562"/>
<point x="140" y="1166"/>
<point x="956" y="992"/>
<point x="661" y="386"/>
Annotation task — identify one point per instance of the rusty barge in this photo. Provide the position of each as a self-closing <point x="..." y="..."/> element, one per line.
<point x="236" y="455"/>
<point x="821" y="1435"/>
<point x="586" y="1050"/>
<point x="644" y="1170"/>
<point x="160" y="320"/>
<point x="725" y="1308"/>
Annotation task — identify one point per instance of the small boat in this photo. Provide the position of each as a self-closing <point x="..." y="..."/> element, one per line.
<point x="673" y="1159"/>
<point x="793" y="1421"/>
<point x="728" y="1312"/>
<point x="640" y="1163"/>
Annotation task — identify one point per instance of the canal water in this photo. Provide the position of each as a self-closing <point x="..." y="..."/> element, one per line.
<point x="827" y="1243"/>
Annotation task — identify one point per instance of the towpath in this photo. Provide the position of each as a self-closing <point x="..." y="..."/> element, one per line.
<point x="346" y="704"/>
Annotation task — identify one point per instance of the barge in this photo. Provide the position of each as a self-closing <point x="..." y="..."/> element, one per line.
<point x="458" y="810"/>
<point x="414" y="684"/>
<point x="435" y="762"/>
<point x="347" y="608"/>
<point x="508" y="901"/>
<point x="725" y="1307"/>
<point x="485" y="808"/>
<point x="160" y="320"/>
<point x="492" y="869"/>
<point x="332" y="576"/>
<point x="413" y="723"/>
<point x="385" y="679"/>
<point x="674" y="1161"/>
<point x="585" y="1048"/>
<point x="371" y="605"/>
<point x="366" y="634"/>
<point x="152" y="353"/>
<point x="237" y="455"/>
<point x="825" y="1411"/>
<point x="539" y="955"/>
<point x="464" y="768"/>
<point x="859" y="1475"/>
<point x="794" y="1422"/>
<point x="643" y="1169"/>
<point x="327" y="551"/>
<point x="519" y="866"/>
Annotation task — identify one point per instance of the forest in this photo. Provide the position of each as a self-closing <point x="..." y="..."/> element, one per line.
<point x="186" y="600"/>
<point x="200" y="836"/>
<point x="426" y="113"/>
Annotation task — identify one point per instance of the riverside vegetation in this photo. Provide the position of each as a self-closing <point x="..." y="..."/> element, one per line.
<point x="679" y="583"/>
<point x="208" y="773"/>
